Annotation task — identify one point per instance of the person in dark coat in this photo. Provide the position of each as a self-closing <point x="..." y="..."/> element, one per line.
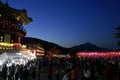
<point x="50" y="71"/>
<point x="4" y="72"/>
<point x="25" y="73"/>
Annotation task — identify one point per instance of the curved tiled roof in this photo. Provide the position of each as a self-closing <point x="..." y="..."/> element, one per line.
<point x="9" y="12"/>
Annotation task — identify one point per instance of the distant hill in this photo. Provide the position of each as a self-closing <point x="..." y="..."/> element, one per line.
<point x="88" y="47"/>
<point x="44" y="44"/>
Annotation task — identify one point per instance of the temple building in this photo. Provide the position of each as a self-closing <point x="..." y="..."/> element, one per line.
<point x="12" y="22"/>
<point x="12" y="31"/>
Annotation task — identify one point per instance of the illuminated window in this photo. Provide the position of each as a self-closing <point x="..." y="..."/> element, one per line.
<point x="11" y="47"/>
<point x="12" y="41"/>
<point x="1" y="38"/>
<point x="3" y="47"/>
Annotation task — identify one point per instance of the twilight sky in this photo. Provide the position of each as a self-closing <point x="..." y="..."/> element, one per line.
<point x="72" y="22"/>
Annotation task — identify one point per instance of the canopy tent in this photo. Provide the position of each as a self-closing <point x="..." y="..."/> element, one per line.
<point x="16" y="54"/>
<point x="7" y="55"/>
<point x="4" y="56"/>
<point x="17" y="57"/>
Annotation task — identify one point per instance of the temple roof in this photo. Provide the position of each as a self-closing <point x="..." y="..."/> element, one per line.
<point x="9" y="12"/>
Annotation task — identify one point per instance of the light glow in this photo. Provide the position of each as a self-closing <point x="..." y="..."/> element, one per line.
<point x="98" y="54"/>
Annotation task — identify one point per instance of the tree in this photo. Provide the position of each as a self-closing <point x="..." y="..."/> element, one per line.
<point x="117" y="35"/>
<point x="73" y="51"/>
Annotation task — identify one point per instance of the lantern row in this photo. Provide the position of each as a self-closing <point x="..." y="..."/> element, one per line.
<point x="98" y="54"/>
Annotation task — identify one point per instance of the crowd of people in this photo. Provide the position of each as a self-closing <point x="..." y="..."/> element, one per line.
<point x="28" y="71"/>
<point x="76" y="68"/>
<point x="89" y="68"/>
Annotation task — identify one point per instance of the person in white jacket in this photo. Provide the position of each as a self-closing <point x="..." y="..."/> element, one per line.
<point x="87" y="73"/>
<point x="66" y="76"/>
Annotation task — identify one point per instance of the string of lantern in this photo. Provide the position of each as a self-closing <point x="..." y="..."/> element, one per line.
<point x="11" y="25"/>
<point x="98" y="54"/>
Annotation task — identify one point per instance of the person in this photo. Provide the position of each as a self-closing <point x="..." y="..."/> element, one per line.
<point x="4" y="72"/>
<point x="66" y="76"/>
<point x="37" y="71"/>
<point x="109" y="71"/>
<point x="99" y="74"/>
<point x="17" y="74"/>
<point x="21" y="69"/>
<point x="32" y="74"/>
<point x="58" y="73"/>
<point x="8" y="74"/>
<point x="12" y="71"/>
<point x="73" y="74"/>
<point x="87" y="73"/>
<point x="25" y="73"/>
<point x="50" y="71"/>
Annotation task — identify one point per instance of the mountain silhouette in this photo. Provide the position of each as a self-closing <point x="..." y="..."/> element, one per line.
<point x="88" y="47"/>
<point x="42" y="43"/>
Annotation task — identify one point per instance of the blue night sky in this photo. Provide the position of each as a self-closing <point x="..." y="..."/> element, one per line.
<point x="72" y="22"/>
